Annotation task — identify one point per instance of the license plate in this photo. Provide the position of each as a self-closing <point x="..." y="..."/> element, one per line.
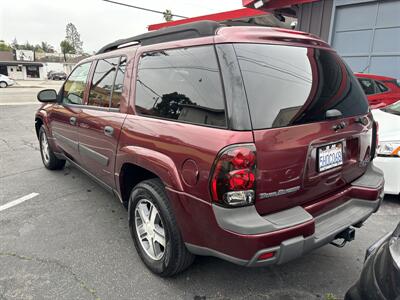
<point x="330" y="156"/>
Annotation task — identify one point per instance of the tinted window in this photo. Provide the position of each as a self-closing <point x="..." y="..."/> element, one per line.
<point x="181" y="84"/>
<point x="102" y="82"/>
<point x="119" y="84"/>
<point x="295" y="85"/>
<point x="367" y="85"/>
<point x="381" y="87"/>
<point x="74" y="87"/>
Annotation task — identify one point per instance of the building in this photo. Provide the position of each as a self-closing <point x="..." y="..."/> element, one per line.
<point x="366" y="33"/>
<point x="22" y="70"/>
<point x="27" y="65"/>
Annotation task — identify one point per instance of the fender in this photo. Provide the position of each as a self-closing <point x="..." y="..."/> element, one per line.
<point x="156" y="162"/>
<point x="43" y="116"/>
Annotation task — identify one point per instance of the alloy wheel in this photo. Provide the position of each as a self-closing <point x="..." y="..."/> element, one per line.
<point x="45" y="148"/>
<point x="150" y="229"/>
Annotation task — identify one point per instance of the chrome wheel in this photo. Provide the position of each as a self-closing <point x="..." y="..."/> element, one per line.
<point x="150" y="229"/>
<point x="45" y="148"/>
<point x="3" y="84"/>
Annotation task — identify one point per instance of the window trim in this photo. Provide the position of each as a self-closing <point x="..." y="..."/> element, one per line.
<point x="138" y="57"/>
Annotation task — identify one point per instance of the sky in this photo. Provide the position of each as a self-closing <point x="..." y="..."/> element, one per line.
<point x="98" y="22"/>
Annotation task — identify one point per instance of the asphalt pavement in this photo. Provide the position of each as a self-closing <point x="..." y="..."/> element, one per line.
<point x="70" y="238"/>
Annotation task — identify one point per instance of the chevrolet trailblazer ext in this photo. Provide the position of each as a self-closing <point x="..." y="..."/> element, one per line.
<point x="250" y="144"/>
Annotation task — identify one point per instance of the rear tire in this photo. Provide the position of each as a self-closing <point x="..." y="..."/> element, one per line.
<point x="148" y="201"/>
<point x="49" y="160"/>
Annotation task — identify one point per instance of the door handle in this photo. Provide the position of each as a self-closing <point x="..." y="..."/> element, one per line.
<point x="108" y="131"/>
<point x="72" y="121"/>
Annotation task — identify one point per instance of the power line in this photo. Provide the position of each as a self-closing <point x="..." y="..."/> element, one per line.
<point x="143" y="8"/>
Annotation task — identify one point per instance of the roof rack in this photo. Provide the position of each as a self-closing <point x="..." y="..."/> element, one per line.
<point x="179" y="32"/>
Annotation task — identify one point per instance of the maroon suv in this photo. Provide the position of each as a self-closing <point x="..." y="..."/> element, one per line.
<point x="250" y="144"/>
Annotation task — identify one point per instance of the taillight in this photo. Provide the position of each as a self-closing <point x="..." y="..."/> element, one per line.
<point x="233" y="181"/>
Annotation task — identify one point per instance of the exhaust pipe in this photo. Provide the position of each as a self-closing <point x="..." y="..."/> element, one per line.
<point x="346" y="235"/>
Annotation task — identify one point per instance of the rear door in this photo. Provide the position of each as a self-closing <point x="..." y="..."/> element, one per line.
<point x="64" y="116"/>
<point x="311" y="124"/>
<point x="100" y="120"/>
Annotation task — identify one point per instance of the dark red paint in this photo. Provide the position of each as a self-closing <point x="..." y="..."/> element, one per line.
<point x="182" y="155"/>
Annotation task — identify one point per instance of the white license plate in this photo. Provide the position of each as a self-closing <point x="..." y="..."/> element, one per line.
<point x="330" y="156"/>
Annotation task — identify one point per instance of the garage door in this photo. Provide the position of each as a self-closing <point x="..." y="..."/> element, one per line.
<point x="367" y="36"/>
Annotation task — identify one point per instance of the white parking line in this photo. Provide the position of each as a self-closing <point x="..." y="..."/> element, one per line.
<point x="18" y="201"/>
<point x="18" y="103"/>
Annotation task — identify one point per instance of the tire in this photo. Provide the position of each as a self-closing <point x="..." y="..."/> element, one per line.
<point x="175" y="257"/>
<point x="3" y="84"/>
<point x="49" y="160"/>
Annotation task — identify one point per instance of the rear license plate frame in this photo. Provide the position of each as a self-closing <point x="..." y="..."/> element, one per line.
<point x="332" y="147"/>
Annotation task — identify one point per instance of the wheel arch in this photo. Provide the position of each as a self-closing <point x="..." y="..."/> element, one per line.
<point x="38" y="123"/>
<point x="136" y="164"/>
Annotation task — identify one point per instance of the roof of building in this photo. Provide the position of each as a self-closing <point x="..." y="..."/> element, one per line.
<point x="20" y="63"/>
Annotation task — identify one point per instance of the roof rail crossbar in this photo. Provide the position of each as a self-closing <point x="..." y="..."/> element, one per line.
<point x="179" y="32"/>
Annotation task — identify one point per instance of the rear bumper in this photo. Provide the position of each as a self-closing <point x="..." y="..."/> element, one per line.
<point x="241" y="235"/>
<point x="391" y="169"/>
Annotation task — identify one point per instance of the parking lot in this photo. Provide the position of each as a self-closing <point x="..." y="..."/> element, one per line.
<point x="70" y="240"/>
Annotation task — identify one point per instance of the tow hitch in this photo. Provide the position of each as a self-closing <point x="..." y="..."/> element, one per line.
<point x="346" y="235"/>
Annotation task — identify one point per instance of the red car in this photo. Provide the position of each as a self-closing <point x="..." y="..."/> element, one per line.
<point x="250" y="144"/>
<point x="380" y="90"/>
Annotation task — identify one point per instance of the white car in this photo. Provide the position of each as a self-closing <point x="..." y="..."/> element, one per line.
<point x="388" y="159"/>
<point x="5" y="81"/>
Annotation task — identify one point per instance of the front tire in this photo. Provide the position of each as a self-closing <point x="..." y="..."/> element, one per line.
<point x="3" y="84"/>
<point x="49" y="160"/>
<point x="154" y="230"/>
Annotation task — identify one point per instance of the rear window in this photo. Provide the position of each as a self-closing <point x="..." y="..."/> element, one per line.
<point x="288" y="85"/>
<point x="367" y="85"/>
<point x="381" y="87"/>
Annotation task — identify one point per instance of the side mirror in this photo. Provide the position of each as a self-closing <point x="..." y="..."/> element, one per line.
<point x="47" y="96"/>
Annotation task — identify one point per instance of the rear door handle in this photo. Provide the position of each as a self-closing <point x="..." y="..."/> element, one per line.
<point x="108" y="131"/>
<point x="72" y="121"/>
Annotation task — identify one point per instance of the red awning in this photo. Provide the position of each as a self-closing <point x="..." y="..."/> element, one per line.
<point x="223" y="16"/>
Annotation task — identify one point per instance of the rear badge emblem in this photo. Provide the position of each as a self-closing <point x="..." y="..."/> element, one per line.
<point x="279" y="192"/>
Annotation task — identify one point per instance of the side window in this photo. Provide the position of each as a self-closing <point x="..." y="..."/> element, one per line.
<point x="119" y="83"/>
<point x="102" y="82"/>
<point x="367" y="85"/>
<point x="381" y="87"/>
<point x="74" y="87"/>
<point x="181" y="84"/>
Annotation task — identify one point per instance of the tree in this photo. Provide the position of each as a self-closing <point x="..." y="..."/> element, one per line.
<point x="4" y="46"/>
<point x="27" y="46"/>
<point x="171" y="104"/>
<point x="73" y="37"/>
<point x="46" y="47"/>
<point x="66" y="48"/>
<point x="14" y="44"/>
<point x="167" y="15"/>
